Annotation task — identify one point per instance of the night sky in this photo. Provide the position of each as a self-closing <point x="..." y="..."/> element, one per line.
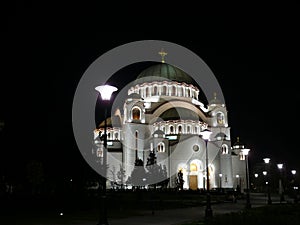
<point x="255" y="62"/>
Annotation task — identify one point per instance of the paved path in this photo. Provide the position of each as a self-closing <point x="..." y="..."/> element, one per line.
<point x="184" y="215"/>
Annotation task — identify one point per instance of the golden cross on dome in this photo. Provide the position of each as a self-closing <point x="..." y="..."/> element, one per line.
<point x="163" y="54"/>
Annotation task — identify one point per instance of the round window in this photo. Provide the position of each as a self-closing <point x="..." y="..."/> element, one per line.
<point x="196" y="148"/>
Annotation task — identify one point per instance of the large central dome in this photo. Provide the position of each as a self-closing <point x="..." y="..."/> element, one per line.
<point x="164" y="72"/>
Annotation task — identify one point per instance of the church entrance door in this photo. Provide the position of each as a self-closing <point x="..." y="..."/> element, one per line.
<point x="193" y="182"/>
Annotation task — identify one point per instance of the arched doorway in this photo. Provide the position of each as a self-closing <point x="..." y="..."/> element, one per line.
<point x="195" y="174"/>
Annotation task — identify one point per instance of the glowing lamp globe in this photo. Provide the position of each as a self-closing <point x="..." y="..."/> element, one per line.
<point x="245" y="151"/>
<point x="106" y="91"/>
<point x="280" y="166"/>
<point x="266" y="160"/>
<point x="265" y="173"/>
<point x="206" y="134"/>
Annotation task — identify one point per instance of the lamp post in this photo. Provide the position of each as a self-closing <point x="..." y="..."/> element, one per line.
<point x="267" y="162"/>
<point x="105" y="92"/>
<point x="245" y="152"/>
<point x="220" y="180"/>
<point x="208" y="210"/>
<point x="238" y="185"/>
<point x="281" y="193"/>
<point x="295" y="188"/>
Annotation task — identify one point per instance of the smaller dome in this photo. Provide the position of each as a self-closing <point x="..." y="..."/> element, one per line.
<point x="159" y="133"/>
<point x="179" y="113"/>
<point x="238" y="144"/>
<point x="221" y="136"/>
<point x="134" y="96"/>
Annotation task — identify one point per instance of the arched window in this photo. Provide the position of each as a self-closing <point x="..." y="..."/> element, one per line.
<point x="136" y="144"/>
<point x="160" y="147"/>
<point x="179" y="89"/>
<point x="220" y="118"/>
<point x="136" y="113"/>
<point x="163" y="128"/>
<point x="164" y="90"/>
<point x="108" y="136"/>
<point x="179" y="129"/>
<point x="224" y="149"/>
<point x="196" y="130"/>
<point x="188" y="93"/>
<point x="171" y="129"/>
<point x="155" y="90"/>
<point x="193" y="167"/>
<point x="188" y="129"/>
<point x="148" y="91"/>
<point x="242" y="156"/>
<point x="173" y="91"/>
<point x="116" y="136"/>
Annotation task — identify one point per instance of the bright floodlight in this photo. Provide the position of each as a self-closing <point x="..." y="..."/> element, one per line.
<point x="245" y="151"/>
<point x="106" y="91"/>
<point x="220" y="175"/>
<point x="205" y="134"/>
<point x="266" y="160"/>
<point x="256" y="175"/>
<point x="293" y="172"/>
<point x="237" y="176"/>
<point x="264" y="173"/>
<point x="280" y="166"/>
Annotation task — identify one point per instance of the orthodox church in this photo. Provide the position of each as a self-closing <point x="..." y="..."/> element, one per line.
<point x="163" y="115"/>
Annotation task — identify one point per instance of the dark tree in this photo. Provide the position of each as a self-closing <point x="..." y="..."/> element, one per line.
<point x="151" y="160"/>
<point x="157" y="175"/>
<point x="121" y="175"/>
<point x="138" y="175"/>
<point x="35" y="176"/>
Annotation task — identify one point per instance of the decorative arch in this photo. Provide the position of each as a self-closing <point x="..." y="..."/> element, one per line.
<point x="161" y="147"/>
<point x="173" y="104"/>
<point x="136" y="113"/>
<point x="224" y="149"/>
<point x="196" y="174"/>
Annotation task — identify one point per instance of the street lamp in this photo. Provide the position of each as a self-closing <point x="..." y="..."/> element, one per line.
<point x="208" y="210"/>
<point x="267" y="161"/>
<point x="245" y="152"/>
<point x="295" y="188"/>
<point x="220" y="177"/>
<point x="280" y="167"/>
<point x="265" y="173"/>
<point x="105" y="92"/>
<point x="238" y="185"/>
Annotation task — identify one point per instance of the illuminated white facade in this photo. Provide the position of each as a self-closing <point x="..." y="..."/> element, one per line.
<point x="163" y="113"/>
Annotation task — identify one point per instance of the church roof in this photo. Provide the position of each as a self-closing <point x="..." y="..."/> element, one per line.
<point x="113" y="121"/>
<point x="238" y="144"/>
<point x="221" y="136"/>
<point x="179" y="113"/>
<point x="164" y="72"/>
<point x="134" y="96"/>
<point x="159" y="133"/>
